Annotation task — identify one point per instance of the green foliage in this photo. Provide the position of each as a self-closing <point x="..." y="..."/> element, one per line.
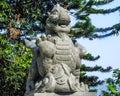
<point x="113" y="84"/>
<point x="95" y="68"/>
<point x="91" y="80"/>
<point x="89" y="57"/>
<point x="14" y="61"/>
<point x="5" y="14"/>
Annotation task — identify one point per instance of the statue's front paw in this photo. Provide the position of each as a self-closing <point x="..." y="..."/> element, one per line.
<point x="38" y="40"/>
<point x="41" y="39"/>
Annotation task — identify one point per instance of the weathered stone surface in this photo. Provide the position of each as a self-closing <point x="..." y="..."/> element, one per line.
<point x="56" y="58"/>
<point x="65" y="94"/>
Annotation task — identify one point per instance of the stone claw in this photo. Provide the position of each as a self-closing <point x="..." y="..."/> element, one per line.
<point x="43" y="37"/>
<point x="49" y="37"/>
<point x="38" y="40"/>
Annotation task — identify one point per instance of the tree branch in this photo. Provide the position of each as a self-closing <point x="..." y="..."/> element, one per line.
<point x="102" y="2"/>
<point x="102" y="11"/>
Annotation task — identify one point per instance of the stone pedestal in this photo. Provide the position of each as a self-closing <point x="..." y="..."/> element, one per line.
<point x="65" y="94"/>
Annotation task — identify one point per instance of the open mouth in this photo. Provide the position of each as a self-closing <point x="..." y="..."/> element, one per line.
<point x="63" y="26"/>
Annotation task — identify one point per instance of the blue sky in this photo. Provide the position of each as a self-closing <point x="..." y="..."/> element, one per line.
<point x="107" y="48"/>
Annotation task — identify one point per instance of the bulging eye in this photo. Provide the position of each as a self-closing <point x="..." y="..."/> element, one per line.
<point x="55" y="12"/>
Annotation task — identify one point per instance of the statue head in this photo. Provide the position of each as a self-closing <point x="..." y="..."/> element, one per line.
<point x="58" y="20"/>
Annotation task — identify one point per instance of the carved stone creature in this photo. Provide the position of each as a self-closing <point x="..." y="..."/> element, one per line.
<point x="56" y="59"/>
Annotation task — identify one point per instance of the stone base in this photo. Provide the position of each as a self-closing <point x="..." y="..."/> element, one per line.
<point x="65" y="94"/>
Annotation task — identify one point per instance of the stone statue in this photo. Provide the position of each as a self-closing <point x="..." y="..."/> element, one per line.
<point x="56" y="59"/>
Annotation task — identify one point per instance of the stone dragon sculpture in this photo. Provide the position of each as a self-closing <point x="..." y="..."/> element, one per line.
<point x="56" y="59"/>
